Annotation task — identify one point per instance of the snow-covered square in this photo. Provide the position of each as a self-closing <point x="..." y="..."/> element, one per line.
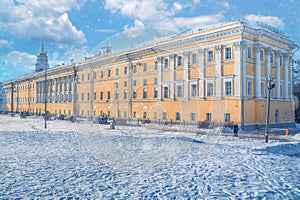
<point x="81" y="160"/>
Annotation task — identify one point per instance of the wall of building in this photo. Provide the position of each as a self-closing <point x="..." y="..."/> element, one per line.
<point x="204" y="76"/>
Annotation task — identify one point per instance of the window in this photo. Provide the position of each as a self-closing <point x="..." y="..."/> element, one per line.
<point x="134" y="115"/>
<point x="101" y="95"/>
<point x="208" y="117"/>
<point x="154" y="115"/>
<point x="179" y="91"/>
<point x="281" y="91"/>
<point x="177" y="115"/>
<point x="88" y="76"/>
<point x="192" y="116"/>
<point x="125" y="83"/>
<point x="108" y="95"/>
<point x="144" y="115"/>
<point x="101" y="74"/>
<point x="108" y="113"/>
<point x="166" y="92"/>
<point x="155" y="81"/>
<point x="82" y="77"/>
<point x="94" y="95"/>
<point x="88" y="96"/>
<point x="228" y="53"/>
<point x="125" y="94"/>
<point x="272" y="58"/>
<point x="249" y="53"/>
<point x="145" y="67"/>
<point x="117" y="95"/>
<point x="117" y="71"/>
<point x="144" y="93"/>
<point x="116" y="85"/>
<point x="108" y="73"/>
<point x="155" y="92"/>
<point x="249" y="89"/>
<point x="228" y="89"/>
<point x="95" y="75"/>
<point x="226" y="117"/>
<point x="134" y="94"/>
<point x="125" y="114"/>
<point x="194" y="58"/>
<point x="82" y="96"/>
<point x="210" y="89"/>
<point x="125" y="70"/>
<point x="145" y="82"/>
<point x="166" y="63"/>
<point x="210" y="56"/>
<point x="134" y="68"/>
<point x="155" y="65"/>
<point x="262" y="87"/>
<point x="194" y="90"/>
<point x="262" y="55"/>
<point x="179" y="60"/>
<point x="134" y="83"/>
<point x="164" y="115"/>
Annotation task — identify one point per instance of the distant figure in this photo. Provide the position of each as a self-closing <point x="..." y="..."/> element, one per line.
<point x="235" y="129"/>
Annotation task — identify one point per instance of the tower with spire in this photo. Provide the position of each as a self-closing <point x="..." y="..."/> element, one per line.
<point x="42" y="60"/>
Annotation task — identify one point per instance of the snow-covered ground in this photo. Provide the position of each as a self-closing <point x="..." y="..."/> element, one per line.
<point x="93" y="162"/>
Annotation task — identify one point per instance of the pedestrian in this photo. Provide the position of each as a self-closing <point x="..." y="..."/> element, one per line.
<point x="235" y="130"/>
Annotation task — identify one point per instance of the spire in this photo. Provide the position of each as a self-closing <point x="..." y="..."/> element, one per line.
<point x="42" y="50"/>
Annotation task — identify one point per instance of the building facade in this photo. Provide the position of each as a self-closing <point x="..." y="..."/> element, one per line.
<point x="217" y="74"/>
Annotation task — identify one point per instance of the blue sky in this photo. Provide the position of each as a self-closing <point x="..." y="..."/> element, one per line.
<point x="72" y="29"/>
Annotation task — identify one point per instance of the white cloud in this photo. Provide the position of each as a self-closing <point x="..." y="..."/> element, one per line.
<point x="270" y="20"/>
<point x="41" y="19"/>
<point x="106" y="30"/>
<point x="136" y="30"/>
<point x="22" y="62"/>
<point x="157" y="13"/>
<point x="6" y="44"/>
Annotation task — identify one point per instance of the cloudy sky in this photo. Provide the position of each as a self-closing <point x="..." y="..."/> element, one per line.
<point x="72" y="29"/>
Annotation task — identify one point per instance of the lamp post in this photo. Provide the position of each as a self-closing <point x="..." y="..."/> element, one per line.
<point x="45" y="98"/>
<point x="270" y="86"/>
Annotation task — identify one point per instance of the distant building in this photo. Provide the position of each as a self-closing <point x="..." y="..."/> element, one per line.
<point x="42" y="61"/>
<point x="218" y="74"/>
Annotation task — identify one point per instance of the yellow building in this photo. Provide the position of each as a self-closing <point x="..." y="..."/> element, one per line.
<point x="218" y="74"/>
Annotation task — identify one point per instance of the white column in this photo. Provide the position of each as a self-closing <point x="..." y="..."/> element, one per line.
<point x="257" y="71"/>
<point x="278" y="75"/>
<point x="201" y="69"/>
<point x="159" y="77"/>
<point x="186" y="76"/>
<point x="268" y="62"/>
<point x="286" y="76"/>
<point x="172" y="77"/>
<point x="237" y="65"/>
<point x="244" y="70"/>
<point x="218" y="71"/>
<point x="290" y="60"/>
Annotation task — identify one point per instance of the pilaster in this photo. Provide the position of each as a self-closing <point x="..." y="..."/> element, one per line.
<point x="201" y="69"/>
<point x="257" y="71"/>
<point x="218" y="71"/>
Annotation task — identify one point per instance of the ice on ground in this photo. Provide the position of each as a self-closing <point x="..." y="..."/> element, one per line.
<point x="81" y="160"/>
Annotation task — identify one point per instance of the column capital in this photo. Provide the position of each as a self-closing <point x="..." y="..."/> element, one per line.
<point x="172" y="55"/>
<point x="159" y="58"/>
<point x="257" y="47"/>
<point x="278" y="53"/>
<point x="201" y="51"/>
<point x="218" y="49"/>
<point x="268" y="51"/>
<point x="237" y="45"/>
<point x="185" y="54"/>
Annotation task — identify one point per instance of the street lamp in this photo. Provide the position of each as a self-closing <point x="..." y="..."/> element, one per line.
<point x="45" y="98"/>
<point x="270" y="86"/>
